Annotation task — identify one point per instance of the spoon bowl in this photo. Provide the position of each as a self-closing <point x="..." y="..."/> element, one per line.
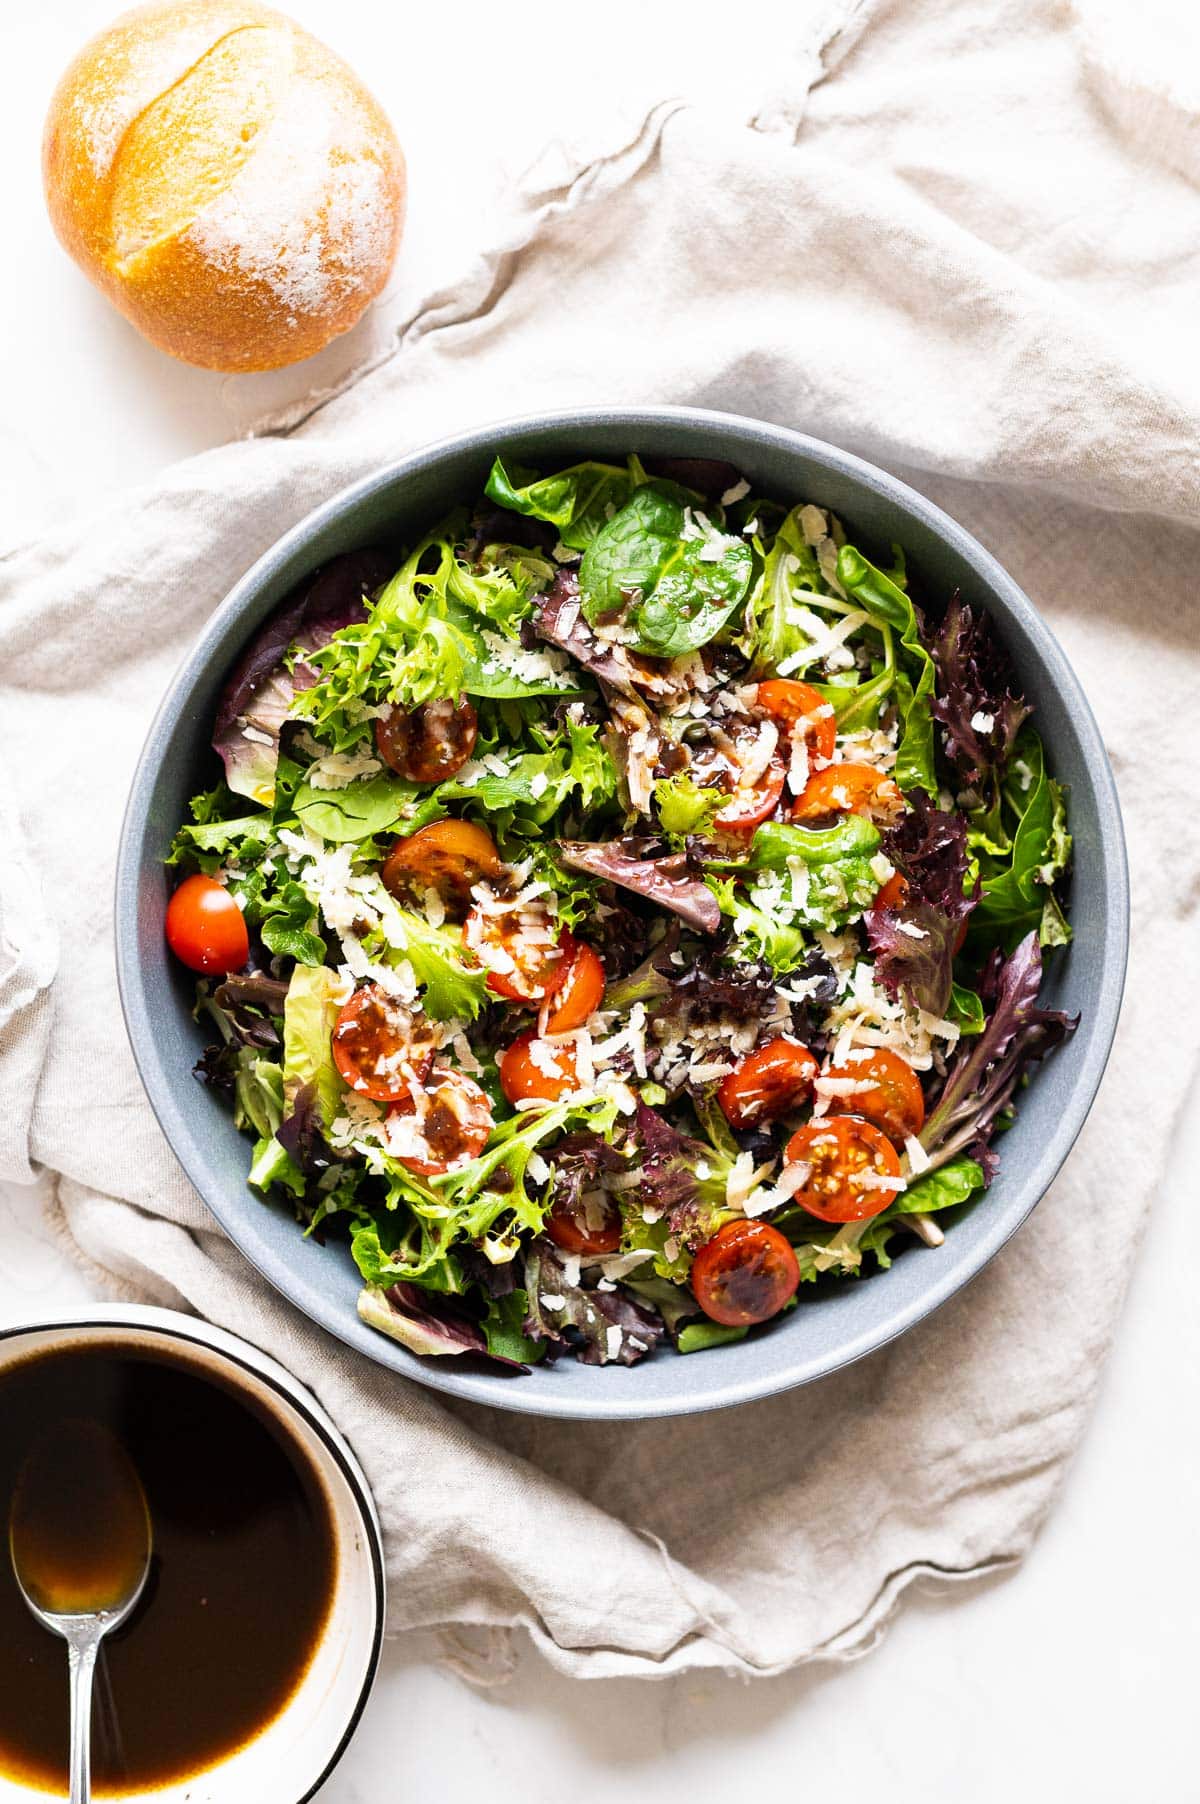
<point x="80" y="1541"/>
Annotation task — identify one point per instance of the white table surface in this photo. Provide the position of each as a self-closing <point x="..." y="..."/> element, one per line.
<point x="1073" y="1677"/>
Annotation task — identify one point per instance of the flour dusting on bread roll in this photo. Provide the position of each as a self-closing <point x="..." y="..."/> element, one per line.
<point x="226" y="180"/>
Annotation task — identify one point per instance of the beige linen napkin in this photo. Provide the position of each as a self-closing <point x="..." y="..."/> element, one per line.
<point x="956" y="243"/>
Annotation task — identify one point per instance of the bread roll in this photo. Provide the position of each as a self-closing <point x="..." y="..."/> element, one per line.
<point x="225" y="180"/>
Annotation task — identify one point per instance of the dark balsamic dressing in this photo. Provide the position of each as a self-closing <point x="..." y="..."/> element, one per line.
<point x="240" y="1584"/>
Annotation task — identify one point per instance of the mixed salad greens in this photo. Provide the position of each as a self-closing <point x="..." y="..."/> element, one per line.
<point x="623" y="908"/>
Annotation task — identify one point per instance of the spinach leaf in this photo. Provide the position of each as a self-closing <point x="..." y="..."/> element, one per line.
<point x="1017" y="894"/>
<point x="697" y="1337"/>
<point x="944" y="1189"/>
<point x="966" y="1009"/>
<point x="578" y="501"/>
<point x="367" y="806"/>
<point x="774" y="843"/>
<point x="673" y="575"/>
<point x="790" y="564"/>
<point x="503" y="1329"/>
<point x="914" y="677"/>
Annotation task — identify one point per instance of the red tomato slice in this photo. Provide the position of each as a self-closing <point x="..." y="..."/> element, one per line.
<point x="451" y="1123"/>
<point x="850" y="1162"/>
<point x="787" y="702"/>
<point x="744" y="1274"/>
<point x="767" y="1083"/>
<point x="523" y="959"/>
<point x="523" y="1074"/>
<point x="752" y="803"/>
<point x="589" y="1229"/>
<point x="581" y="991"/>
<point x="206" y="928"/>
<point x="379" y="1045"/>
<point x="429" y="743"/>
<point x="849" y="789"/>
<point x="896" y="1101"/>
<point x="447" y="856"/>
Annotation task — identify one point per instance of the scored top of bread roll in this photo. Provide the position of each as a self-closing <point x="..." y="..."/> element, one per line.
<point x="225" y="179"/>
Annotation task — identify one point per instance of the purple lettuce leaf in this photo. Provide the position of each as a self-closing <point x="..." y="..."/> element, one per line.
<point x="259" y="693"/>
<point x="300" y="1133"/>
<point x="557" y="619"/>
<point x="426" y="1322"/>
<point x="974" y="685"/>
<point x="668" y="1161"/>
<point x="982" y="1077"/>
<point x="601" y="1327"/>
<point x="579" y="1162"/>
<point x="252" y="1002"/>
<point x="665" y="880"/>
<point x="914" y="944"/>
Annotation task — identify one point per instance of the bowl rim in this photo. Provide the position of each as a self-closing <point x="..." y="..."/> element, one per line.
<point x="173" y="1325"/>
<point x="1111" y="953"/>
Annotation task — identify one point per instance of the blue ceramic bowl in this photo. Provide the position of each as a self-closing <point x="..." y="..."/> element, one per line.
<point x="832" y="1325"/>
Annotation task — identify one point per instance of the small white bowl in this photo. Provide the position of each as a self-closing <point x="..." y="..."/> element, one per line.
<point x="295" y="1753"/>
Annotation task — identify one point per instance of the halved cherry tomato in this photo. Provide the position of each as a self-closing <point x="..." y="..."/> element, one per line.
<point x="521" y="1069"/>
<point x="851" y="1164"/>
<point x="894" y="894"/>
<point x="588" y="1228"/>
<point x="375" y="1038"/>
<point x="849" y="789"/>
<point x="752" y="803"/>
<point x="429" y="743"/>
<point x="523" y="961"/>
<point x="206" y="928"/>
<point x="580" y="993"/>
<point x="450" y="1125"/>
<point x="767" y="1083"/>
<point x="719" y="762"/>
<point x="744" y="1274"/>
<point x="447" y="856"/>
<point x="895" y="1102"/>
<point x="787" y="702"/>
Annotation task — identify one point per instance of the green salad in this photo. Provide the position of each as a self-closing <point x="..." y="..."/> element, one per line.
<point x="619" y="910"/>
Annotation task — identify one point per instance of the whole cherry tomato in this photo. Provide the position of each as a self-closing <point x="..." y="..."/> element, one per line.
<point x="851" y="1165"/>
<point x="744" y="1274"/>
<point x="206" y="928"/>
<point x="767" y="1083"/>
<point x="895" y="1102"/>
<point x="379" y="1044"/>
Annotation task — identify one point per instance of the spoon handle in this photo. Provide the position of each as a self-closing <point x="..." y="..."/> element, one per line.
<point x="81" y="1656"/>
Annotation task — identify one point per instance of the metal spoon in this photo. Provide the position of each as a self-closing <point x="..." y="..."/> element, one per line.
<point x="79" y="1535"/>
